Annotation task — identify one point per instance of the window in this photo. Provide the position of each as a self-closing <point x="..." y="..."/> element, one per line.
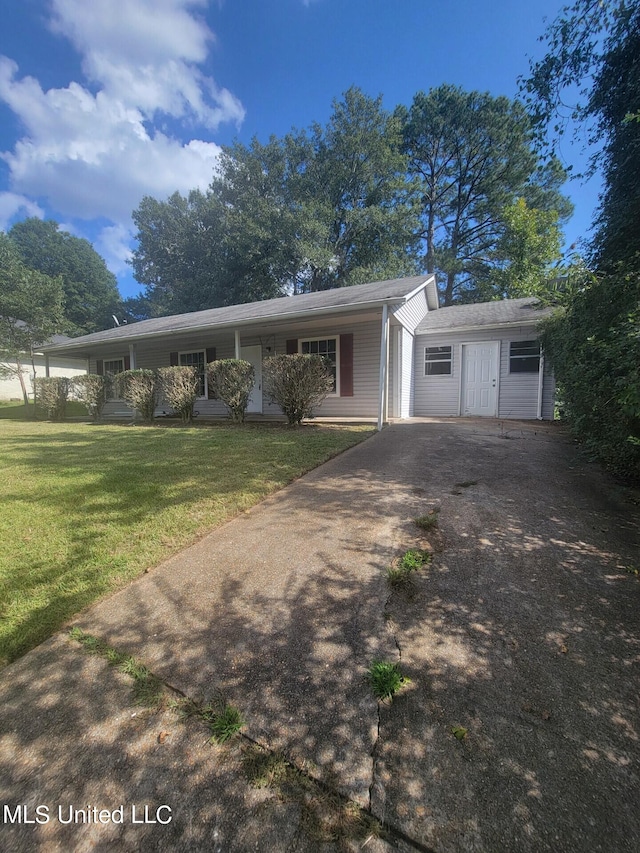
<point x="199" y="361"/>
<point x="328" y="349"/>
<point x="524" y="356"/>
<point x="115" y="365"/>
<point x="110" y="367"/>
<point x="437" y="361"/>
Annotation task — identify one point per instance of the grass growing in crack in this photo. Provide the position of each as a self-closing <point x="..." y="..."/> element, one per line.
<point x="223" y="720"/>
<point x="226" y="724"/>
<point x="385" y="679"/>
<point x="148" y="690"/>
<point x="411" y="561"/>
<point x="325" y="815"/>
<point x="427" y="522"/>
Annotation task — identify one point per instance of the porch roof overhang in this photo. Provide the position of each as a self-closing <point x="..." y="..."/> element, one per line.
<point x="366" y="298"/>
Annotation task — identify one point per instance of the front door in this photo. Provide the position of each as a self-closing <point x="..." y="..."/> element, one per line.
<point x="254" y="356"/>
<point x="480" y="379"/>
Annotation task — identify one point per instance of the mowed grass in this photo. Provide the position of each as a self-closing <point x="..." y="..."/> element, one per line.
<point x="87" y="508"/>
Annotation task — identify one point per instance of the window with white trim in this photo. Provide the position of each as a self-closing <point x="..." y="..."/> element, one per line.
<point x="524" y="356"/>
<point x="199" y="361"/>
<point x="327" y="348"/>
<point x="437" y="361"/>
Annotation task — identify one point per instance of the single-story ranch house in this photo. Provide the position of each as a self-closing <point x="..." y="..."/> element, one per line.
<point x="394" y="352"/>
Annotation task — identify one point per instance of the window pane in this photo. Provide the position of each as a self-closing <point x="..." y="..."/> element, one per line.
<point x="524" y="356"/>
<point x="327" y="348"/>
<point x="437" y="361"/>
<point x="438" y="368"/>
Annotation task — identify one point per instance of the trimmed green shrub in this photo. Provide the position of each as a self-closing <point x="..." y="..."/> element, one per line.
<point x="231" y="380"/>
<point x="297" y="383"/>
<point x="90" y="390"/>
<point x="52" y="393"/>
<point x="179" y="389"/>
<point x="139" y="389"/>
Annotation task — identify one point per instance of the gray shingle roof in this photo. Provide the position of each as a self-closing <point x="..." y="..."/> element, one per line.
<point x="285" y="306"/>
<point x="506" y="311"/>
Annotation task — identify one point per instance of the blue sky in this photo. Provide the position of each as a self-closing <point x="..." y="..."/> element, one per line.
<point x="105" y="101"/>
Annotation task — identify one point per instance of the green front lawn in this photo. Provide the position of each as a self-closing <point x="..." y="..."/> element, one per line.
<point x="87" y="508"/>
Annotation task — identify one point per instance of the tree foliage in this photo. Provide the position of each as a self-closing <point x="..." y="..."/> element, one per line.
<point x="594" y="346"/>
<point x="297" y="383"/>
<point x="594" y="47"/>
<point x="320" y="208"/>
<point x="31" y="311"/>
<point x="90" y="290"/>
<point x="473" y="157"/>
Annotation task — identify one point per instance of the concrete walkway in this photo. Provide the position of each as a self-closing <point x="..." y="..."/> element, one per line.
<point x="523" y="631"/>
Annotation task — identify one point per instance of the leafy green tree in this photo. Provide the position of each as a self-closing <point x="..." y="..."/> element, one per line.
<point x="526" y="253"/>
<point x="594" y="346"/>
<point x="593" y="51"/>
<point x="320" y="208"/>
<point x="357" y="206"/>
<point x="31" y="311"/>
<point x="90" y="290"/>
<point x="473" y="157"/>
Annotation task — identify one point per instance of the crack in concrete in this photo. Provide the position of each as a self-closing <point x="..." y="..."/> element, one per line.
<point x="386" y="831"/>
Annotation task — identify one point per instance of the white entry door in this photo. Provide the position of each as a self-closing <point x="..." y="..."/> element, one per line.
<point x="480" y="379"/>
<point x="254" y="356"/>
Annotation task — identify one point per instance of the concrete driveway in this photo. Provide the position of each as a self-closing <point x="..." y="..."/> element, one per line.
<point x="523" y="631"/>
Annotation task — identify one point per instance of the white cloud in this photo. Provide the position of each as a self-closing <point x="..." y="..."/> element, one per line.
<point x="94" y="150"/>
<point x="114" y="244"/>
<point x="12" y="204"/>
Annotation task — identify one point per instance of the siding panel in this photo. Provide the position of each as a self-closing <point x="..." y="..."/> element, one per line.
<point x="518" y="392"/>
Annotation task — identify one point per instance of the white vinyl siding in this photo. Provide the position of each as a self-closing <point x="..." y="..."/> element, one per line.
<point x="412" y="312"/>
<point x="406" y="391"/>
<point x="366" y="352"/>
<point x="10" y="388"/>
<point x="439" y="396"/>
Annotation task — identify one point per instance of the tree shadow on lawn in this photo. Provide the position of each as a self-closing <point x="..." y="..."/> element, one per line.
<point x="119" y="507"/>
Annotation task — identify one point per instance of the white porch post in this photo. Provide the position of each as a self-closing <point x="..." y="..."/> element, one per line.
<point x="540" y="384"/>
<point x="384" y="366"/>
<point x="237" y="340"/>
<point x="132" y="356"/>
<point x="46" y="365"/>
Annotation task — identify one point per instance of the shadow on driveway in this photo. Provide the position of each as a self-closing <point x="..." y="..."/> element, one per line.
<point x="523" y="631"/>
